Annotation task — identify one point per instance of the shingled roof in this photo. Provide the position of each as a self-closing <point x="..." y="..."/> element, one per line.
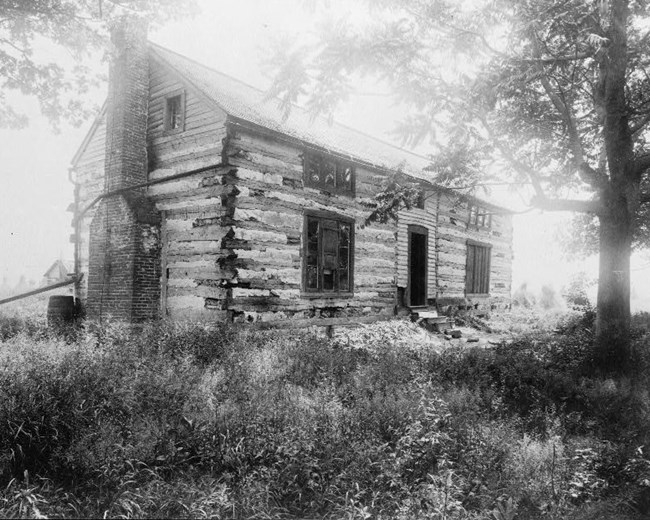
<point x="247" y="103"/>
<point x="252" y="105"/>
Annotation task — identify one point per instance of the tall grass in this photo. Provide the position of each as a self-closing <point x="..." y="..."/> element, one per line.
<point x="195" y="421"/>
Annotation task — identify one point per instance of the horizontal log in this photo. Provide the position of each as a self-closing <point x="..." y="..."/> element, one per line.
<point x="199" y="291"/>
<point x="322" y="322"/>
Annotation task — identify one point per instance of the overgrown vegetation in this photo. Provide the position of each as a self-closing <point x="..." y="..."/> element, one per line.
<point x="190" y="421"/>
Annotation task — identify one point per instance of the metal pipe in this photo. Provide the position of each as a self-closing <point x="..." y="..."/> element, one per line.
<point x="78" y="215"/>
<point x="40" y="290"/>
<point x="120" y="191"/>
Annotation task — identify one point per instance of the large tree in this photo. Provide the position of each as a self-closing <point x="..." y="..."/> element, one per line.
<point x="558" y="89"/>
<point x="36" y="34"/>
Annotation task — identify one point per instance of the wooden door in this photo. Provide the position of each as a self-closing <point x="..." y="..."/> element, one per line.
<point x="417" y="266"/>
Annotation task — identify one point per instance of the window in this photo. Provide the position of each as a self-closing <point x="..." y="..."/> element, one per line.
<point x="419" y="202"/>
<point x="328" y="174"/>
<point x="174" y="112"/>
<point x="477" y="279"/>
<point x="479" y="216"/>
<point x="328" y="254"/>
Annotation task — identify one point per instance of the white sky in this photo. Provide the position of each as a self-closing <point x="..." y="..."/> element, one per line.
<point x="231" y="37"/>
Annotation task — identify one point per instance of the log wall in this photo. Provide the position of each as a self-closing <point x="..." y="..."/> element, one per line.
<point x="446" y="216"/>
<point x="231" y="235"/>
<point x="261" y="264"/>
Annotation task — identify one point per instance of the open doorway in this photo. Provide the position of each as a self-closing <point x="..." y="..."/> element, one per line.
<point x="417" y="262"/>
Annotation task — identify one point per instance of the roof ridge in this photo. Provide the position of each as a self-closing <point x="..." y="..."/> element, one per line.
<point x="298" y="107"/>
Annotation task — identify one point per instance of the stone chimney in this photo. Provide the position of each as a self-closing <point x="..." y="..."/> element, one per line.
<point x="124" y="265"/>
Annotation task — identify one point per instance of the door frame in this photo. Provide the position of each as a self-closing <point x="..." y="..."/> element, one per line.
<point x="414" y="229"/>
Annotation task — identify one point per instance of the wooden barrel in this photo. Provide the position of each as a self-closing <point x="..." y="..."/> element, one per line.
<point x="60" y="310"/>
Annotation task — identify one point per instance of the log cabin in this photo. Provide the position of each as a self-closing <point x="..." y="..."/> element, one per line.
<point x="195" y="199"/>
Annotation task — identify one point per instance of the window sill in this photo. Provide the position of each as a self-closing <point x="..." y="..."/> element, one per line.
<point x="173" y="131"/>
<point x="325" y="295"/>
<point x="477" y="295"/>
<point x="330" y="191"/>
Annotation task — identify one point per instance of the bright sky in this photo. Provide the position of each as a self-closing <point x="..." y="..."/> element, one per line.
<point x="231" y="37"/>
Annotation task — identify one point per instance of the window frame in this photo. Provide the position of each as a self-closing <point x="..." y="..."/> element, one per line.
<point x="421" y="200"/>
<point x="488" y="267"/>
<point x="479" y="213"/>
<point x="310" y="157"/>
<point x="319" y="292"/>
<point x="167" y="128"/>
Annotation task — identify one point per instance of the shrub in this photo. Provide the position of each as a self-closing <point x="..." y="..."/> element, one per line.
<point x="194" y="420"/>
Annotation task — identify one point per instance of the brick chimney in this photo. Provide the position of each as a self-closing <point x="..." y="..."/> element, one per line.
<point x="124" y="264"/>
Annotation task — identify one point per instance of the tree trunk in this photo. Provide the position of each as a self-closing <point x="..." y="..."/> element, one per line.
<point x="612" y="342"/>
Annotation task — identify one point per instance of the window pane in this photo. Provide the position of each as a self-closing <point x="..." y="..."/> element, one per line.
<point x="330" y="241"/>
<point x="329" y="273"/>
<point x="344" y="280"/>
<point x="344" y="240"/>
<point x="344" y="177"/>
<point x="344" y="258"/>
<point x="174" y="112"/>
<point x="312" y="242"/>
<point x="312" y="277"/>
<point x="472" y="214"/>
<point x="329" y="173"/>
<point x="419" y="203"/>
<point x="344" y="269"/>
<point x="313" y="170"/>
<point x="312" y="254"/>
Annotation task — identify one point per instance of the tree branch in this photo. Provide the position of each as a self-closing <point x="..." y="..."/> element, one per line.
<point x="641" y="164"/>
<point x="582" y="206"/>
<point x="537" y="59"/>
<point x="588" y="174"/>
<point x="555" y="59"/>
<point x="521" y="167"/>
<point x="640" y="124"/>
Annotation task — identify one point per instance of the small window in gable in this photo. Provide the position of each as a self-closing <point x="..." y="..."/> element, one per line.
<point x="174" y="112"/>
<point x="328" y="174"/>
<point x="419" y="202"/>
<point x="479" y="216"/>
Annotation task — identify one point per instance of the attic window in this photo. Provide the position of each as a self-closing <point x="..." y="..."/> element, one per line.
<point x="479" y="216"/>
<point x="419" y="202"/>
<point x="175" y="112"/>
<point x="329" y="174"/>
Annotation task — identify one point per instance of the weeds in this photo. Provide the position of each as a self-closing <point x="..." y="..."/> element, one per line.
<point x="192" y="421"/>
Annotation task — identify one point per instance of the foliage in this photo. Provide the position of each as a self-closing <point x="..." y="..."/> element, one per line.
<point x="76" y="26"/>
<point x="524" y="297"/>
<point x="524" y="79"/>
<point x="393" y="197"/>
<point x="575" y="293"/>
<point x="195" y="421"/>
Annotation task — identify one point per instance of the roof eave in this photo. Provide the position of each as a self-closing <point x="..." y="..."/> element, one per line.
<point x="89" y="135"/>
<point x="238" y="121"/>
